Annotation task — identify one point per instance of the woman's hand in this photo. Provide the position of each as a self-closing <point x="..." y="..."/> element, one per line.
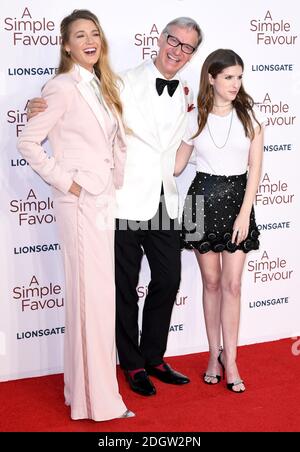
<point x="240" y="228"/>
<point x="35" y="106"/>
<point x="75" y="189"/>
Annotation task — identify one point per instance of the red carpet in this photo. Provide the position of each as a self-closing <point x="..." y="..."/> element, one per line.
<point x="271" y="403"/>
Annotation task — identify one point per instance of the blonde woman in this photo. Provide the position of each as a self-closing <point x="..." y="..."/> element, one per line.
<point x="84" y="126"/>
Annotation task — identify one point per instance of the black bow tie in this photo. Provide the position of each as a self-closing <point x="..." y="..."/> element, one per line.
<point x="171" y="84"/>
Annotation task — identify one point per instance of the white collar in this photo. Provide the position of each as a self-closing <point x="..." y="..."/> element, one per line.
<point x="85" y="75"/>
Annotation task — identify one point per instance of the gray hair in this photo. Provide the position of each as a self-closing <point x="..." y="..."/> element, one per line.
<point x="185" y="22"/>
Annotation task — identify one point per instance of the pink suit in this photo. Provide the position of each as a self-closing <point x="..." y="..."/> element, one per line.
<point x="89" y="148"/>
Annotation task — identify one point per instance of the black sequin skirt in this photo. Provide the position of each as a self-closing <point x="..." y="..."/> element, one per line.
<point x="211" y="207"/>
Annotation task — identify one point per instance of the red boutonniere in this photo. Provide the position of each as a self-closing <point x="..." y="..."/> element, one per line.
<point x="186" y="91"/>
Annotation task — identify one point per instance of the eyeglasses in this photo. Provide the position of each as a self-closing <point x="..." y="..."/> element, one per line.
<point x="174" y="42"/>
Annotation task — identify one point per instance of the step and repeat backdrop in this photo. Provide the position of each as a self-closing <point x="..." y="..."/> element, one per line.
<point x="32" y="299"/>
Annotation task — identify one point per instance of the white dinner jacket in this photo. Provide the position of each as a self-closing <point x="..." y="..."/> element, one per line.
<point x="149" y="162"/>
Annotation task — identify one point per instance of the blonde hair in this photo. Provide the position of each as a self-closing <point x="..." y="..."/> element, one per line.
<point x="109" y="80"/>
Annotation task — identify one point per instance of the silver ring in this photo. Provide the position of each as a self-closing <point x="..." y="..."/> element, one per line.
<point x="28" y="110"/>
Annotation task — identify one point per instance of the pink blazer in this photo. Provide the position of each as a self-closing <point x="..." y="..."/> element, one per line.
<point x="74" y="124"/>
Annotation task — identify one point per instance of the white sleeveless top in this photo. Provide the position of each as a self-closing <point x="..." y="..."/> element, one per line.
<point x="232" y="159"/>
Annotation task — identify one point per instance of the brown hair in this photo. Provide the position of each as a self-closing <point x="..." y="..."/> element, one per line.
<point x="109" y="80"/>
<point x="214" y="64"/>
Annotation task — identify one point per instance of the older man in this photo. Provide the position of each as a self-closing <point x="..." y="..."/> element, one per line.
<point x="155" y="109"/>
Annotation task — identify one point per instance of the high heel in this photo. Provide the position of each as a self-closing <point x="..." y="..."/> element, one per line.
<point x="230" y="386"/>
<point x="127" y="414"/>
<point x="217" y="377"/>
<point x="221" y="364"/>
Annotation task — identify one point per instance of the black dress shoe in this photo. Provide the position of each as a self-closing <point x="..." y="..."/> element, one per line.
<point x="141" y="383"/>
<point x="167" y="375"/>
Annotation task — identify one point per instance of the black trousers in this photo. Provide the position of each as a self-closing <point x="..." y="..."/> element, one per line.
<point x="162" y="249"/>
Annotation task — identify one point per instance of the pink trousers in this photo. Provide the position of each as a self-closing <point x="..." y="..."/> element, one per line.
<point x="86" y="228"/>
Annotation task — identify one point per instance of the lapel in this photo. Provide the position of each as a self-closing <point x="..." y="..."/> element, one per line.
<point x="121" y="134"/>
<point x="142" y="96"/>
<point x="91" y="100"/>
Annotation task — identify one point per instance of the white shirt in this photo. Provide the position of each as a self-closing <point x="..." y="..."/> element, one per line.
<point x="86" y="76"/>
<point x="166" y="109"/>
<point x="110" y="120"/>
<point x="232" y="159"/>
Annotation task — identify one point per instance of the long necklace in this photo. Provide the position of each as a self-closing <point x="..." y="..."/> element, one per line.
<point x="228" y="133"/>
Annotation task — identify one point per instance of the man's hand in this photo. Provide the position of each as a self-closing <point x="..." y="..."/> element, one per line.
<point x="75" y="189"/>
<point x="36" y="106"/>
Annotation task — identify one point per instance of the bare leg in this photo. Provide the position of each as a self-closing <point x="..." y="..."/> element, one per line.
<point x="232" y="268"/>
<point x="210" y="268"/>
